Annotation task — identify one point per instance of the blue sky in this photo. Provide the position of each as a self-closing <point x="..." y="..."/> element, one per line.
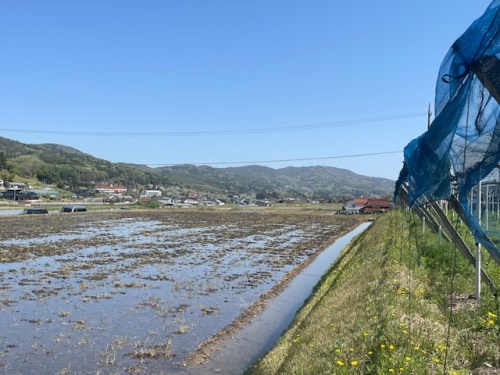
<point x="226" y="83"/>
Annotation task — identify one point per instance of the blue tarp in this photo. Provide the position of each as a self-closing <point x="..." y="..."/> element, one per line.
<point x="463" y="141"/>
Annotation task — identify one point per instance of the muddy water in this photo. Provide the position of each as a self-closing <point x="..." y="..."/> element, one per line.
<point x="251" y="342"/>
<point x="120" y="293"/>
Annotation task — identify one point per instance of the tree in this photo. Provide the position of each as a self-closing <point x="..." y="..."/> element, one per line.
<point x="48" y="175"/>
<point x="260" y="196"/>
<point x="3" y="160"/>
<point x="153" y="204"/>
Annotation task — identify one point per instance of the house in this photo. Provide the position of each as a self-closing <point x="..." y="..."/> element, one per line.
<point x="353" y="206"/>
<point x="165" y="201"/>
<point x="361" y="202"/>
<point x="376" y="206"/>
<point x="366" y="206"/>
<point x="192" y="194"/>
<point x="152" y="193"/>
<point x="16" y="185"/>
<point x="110" y="189"/>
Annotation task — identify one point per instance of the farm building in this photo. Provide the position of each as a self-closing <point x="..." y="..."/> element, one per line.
<point x="366" y="206"/>
<point x="376" y="206"/>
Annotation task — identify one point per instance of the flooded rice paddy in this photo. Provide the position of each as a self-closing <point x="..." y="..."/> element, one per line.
<point x="139" y="292"/>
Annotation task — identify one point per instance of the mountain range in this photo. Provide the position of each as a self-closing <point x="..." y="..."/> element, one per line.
<point x="67" y="166"/>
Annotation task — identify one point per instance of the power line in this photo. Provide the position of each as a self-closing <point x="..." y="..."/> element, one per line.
<point x="206" y="120"/>
<point x="282" y="160"/>
<point x="219" y="132"/>
<point x="243" y="162"/>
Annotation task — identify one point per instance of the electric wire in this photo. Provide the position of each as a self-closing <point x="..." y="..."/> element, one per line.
<point x="239" y="162"/>
<point x="322" y="125"/>
<point x="281" y="160"/>
<point x="244" y="118"/>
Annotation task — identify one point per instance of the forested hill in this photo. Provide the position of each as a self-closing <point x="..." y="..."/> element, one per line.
<point x="65" y="165"/>
<point x="316" y="182"/>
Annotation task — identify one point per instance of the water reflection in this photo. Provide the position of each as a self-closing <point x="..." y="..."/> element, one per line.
<point x="136" y="294"/>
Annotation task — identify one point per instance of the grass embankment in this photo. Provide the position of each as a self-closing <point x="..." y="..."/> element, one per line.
<point x="384" y="307"/>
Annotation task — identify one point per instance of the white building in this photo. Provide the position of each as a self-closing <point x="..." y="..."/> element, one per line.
<point x="152" y="193"/>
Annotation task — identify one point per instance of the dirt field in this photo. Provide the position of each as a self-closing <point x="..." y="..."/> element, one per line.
<point x="142" y="292"/>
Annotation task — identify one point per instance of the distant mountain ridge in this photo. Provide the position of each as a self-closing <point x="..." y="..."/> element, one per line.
<point x="316" y="182"/>
<point x="68" y="166"/>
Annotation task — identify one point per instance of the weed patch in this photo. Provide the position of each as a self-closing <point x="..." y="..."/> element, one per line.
<point x="395" y="301"/>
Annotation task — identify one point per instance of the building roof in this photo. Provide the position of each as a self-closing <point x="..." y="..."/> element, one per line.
<point x="110" y="187"/>
<point x="360" y="201"/>
<point x="383" y="203"/>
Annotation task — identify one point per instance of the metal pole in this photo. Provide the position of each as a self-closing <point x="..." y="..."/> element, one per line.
<point x="497" y="197"/>
<point x="487" y="207"/>
<point x="478" y="271"/>
<point x="478" y="248"/>
<point x="479" y="213"/>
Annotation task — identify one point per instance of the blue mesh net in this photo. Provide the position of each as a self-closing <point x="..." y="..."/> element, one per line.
<point x="461" y="147"/>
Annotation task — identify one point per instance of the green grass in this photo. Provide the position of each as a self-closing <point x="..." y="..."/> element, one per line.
<point x="384" y="307"/>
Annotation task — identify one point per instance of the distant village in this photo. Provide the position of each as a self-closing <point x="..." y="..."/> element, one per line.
<point x="120" y="194"/>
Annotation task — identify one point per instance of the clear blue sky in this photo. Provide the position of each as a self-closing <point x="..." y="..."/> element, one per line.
<point x="209" y="81"/>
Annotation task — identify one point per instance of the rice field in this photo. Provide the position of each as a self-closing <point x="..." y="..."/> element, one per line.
<point x="138" y="292"/>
